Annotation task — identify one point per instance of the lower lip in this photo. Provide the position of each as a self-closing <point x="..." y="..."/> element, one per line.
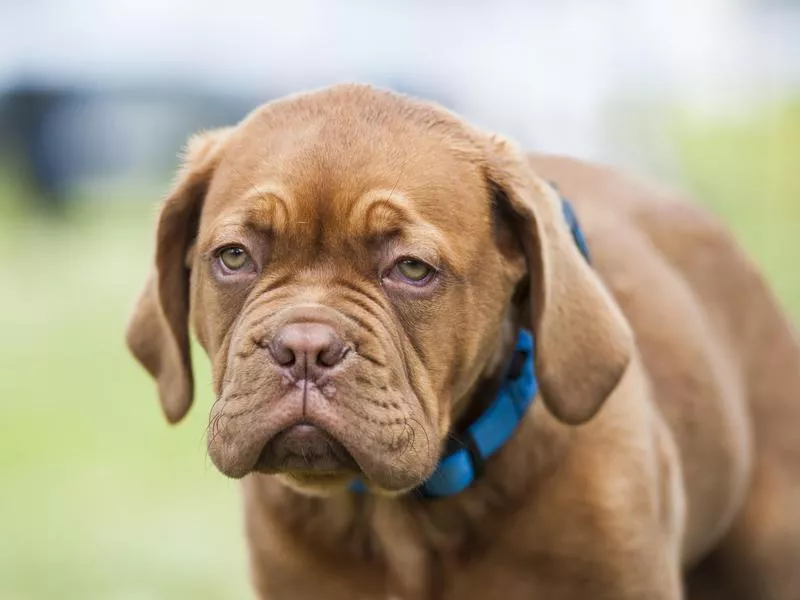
<point x="319" y="457"/>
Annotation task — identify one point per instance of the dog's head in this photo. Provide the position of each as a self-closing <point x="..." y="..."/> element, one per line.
<point x="355" y="263"/>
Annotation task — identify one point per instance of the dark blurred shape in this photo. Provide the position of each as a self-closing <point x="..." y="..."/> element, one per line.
<point x="57" y="138"/>
<point x="25" y="118"/>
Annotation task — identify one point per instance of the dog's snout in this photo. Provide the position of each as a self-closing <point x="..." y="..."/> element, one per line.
<point x="301" y="346"/>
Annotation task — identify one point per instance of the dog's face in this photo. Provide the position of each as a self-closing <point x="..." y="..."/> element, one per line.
<point x="354" y="263"/>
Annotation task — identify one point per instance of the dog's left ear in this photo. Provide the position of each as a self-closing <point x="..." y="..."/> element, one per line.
<point x="158" y="331"/>
<point x="583" y="342"/>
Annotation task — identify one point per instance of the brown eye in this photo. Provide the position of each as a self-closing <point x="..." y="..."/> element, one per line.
<point x="234" y="258"/>
<point x="413" y="271"/>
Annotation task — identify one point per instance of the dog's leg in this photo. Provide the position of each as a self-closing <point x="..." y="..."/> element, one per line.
<point x="759" y="559"/>
<point x="762" y="549"/>
<point x="759" y="555"/>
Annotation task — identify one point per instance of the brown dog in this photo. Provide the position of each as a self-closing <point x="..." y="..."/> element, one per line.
<point x="357" y="264"/>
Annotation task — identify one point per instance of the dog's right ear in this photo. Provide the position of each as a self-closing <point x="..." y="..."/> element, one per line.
<point x="158" y="331"/>
<point x="583" y="343"/>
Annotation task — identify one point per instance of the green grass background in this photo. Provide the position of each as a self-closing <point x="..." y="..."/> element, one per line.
<point x="99" y="498"/>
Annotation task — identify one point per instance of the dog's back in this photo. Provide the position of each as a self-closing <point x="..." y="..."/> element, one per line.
<point x="729" y="386"/>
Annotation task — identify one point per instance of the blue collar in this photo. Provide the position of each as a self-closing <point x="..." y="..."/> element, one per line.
<point x="466" y="452"/>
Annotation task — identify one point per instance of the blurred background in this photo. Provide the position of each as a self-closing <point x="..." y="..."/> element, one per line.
<point x="99" y="498"/>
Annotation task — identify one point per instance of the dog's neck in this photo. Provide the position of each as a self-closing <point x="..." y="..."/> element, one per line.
<point x="485" y="389"/>
<point x="405" y="535"/>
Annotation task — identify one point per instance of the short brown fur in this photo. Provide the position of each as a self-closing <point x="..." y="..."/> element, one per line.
<point x="662" y="460"/>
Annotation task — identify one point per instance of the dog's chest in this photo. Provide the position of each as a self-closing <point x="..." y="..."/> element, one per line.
<point x="400" y="567"/>
<point x="489" y="577"/>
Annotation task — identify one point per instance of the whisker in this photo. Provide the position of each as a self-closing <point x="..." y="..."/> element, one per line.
<point x="427" y="437"/>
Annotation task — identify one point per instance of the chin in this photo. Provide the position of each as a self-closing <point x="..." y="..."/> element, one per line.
<point x="316" y="484"/>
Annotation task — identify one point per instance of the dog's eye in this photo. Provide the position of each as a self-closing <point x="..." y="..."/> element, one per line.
<point x="413" y="271"/>
<point x="234" y="258"/>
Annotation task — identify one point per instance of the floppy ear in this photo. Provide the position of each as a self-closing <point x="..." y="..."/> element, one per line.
<point x="583" y="343"/>
<point x="158" y="331"/>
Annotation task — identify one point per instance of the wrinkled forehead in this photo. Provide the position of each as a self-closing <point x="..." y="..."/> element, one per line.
<point x="366" y="172"/>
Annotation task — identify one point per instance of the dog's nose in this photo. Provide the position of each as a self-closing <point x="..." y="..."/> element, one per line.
<point x="307" y="347"/>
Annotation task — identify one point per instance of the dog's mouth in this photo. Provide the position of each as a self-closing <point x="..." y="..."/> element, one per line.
<point x="305" y="449"/>
<point x="320" y="448"/>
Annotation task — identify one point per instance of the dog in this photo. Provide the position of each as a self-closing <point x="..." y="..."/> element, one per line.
<point x="446" y="369"/>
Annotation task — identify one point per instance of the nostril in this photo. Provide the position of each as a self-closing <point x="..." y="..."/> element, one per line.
<point x="332" y="355"/>
<point x="282" y="354"/>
